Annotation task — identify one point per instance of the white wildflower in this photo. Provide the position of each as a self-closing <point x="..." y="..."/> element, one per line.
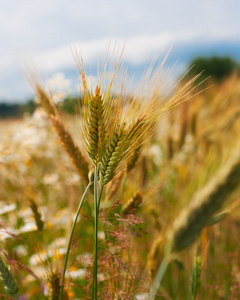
<point x="59" y="87"/>
<point x="74" y="179"/>
<point x="143" y="296"/>
<point x="7" y="208"/>
<point x="75" y="273"/>
<point x="21" y="250"/>
<point x="31" y="226"/>
<point x="50" y="178"/>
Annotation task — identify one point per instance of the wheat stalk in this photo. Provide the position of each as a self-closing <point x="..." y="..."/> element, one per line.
<point x="195" y="280"/>
<point x="113" y="130"/>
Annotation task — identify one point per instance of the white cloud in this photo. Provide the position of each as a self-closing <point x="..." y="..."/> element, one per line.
<point x="48" y="30"/>
<point x="139" y="49"/>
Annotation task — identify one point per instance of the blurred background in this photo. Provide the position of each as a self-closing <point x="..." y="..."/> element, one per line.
<point x="47" y="32"/>
<point x="40" y="188"/>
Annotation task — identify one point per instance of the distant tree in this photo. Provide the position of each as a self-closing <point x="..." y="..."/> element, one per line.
<point x="218" y="68"/>
<point x="69" y="105"/>
<point x="16" y="110"/>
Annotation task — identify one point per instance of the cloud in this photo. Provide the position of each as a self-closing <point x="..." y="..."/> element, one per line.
<point x="138" y="50"/>
<point x="49" y="30"/>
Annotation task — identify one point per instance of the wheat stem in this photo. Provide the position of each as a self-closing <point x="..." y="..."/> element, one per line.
<point x="70" y="239"/>
<point x="97" y="200"/>
<point x="195" y="274"/>
<point x="158" y="279"/>
<point x="94" y="282"/>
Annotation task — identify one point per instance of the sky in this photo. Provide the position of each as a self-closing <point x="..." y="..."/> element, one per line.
<point x="47" y="31"/>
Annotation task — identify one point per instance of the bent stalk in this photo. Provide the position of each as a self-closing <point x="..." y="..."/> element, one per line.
<point x="70" y="239"/>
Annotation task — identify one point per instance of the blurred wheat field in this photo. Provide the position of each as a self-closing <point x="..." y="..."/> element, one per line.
<point x="40" y="190"/>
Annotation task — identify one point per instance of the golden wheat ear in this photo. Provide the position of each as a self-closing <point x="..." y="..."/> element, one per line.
<point x="134" y="158"/>
<point x="76" y="156"/>
<point x="133" y="204"/>
<point x="78" y="159"/>
<point x="155" y="255"/>
<point x="204" y="205"/>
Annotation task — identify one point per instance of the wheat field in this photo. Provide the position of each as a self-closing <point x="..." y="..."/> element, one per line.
<point x="134" y="197"/>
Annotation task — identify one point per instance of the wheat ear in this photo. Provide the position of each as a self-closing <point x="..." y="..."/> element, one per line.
<point x="8" y="279"/>
<point x="54" y="281"/>
<point x="78" y="159"/>
<point x="133" y="204"/>
<point x="111" y="157"/>
<point x="134" y="158"/>
<point x="115" y="185"/>
<point x="195" y="217"/>
<point x="45" y="101"/>
<point x="37" y="215"/>
<point x="96" y="128"/>
<point x="120" y="147"/>
<point x="154" y="255"/>
<point x="205" y="204"/>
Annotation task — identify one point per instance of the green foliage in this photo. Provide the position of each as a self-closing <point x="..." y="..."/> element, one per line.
<point x="218" y="68"/>
<point x="16" y="110"/>
<point x="69" y="105"/>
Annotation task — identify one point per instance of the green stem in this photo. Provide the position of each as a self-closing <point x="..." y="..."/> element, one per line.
<point x="158" y="279"/>
<point x="194" y="289"/>
<point x="70" y="239"/>
<point x="100" y="196"/>
<point x="94" y="283"/>
<point x="97" y="201"/>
